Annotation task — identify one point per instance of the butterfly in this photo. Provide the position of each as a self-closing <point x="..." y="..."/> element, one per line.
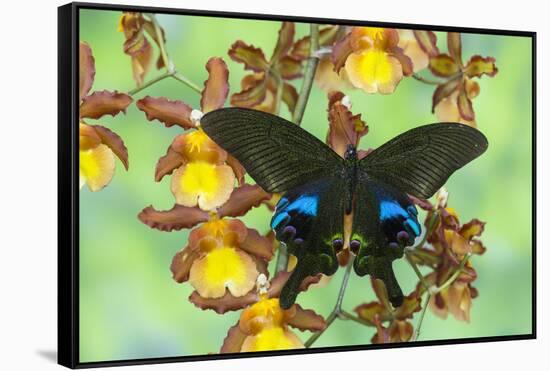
<point x="320" y="187"/>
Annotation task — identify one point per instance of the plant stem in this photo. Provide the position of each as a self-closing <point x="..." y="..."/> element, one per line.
<point x="432" y="291"/>
<point x="416" y="333"/>
<point x="455" y="275"/>
<point x="168" y="64"/>
<point x="178" y="76"/>
<point x="309" y="74"/>
<point x="337" y="311"/>
<point x="279" y="95"/>
<point x="149" y="83"/>
<point x="347" y="315"/>
<point x="282" y="258"/>
<point x="425" y="80"/>
<point x="417" y="271"/>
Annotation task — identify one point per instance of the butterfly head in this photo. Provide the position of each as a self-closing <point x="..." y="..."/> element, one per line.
<point x="351" y="153"/>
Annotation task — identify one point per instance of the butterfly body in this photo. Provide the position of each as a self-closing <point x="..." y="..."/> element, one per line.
<point x="319" y="188"/>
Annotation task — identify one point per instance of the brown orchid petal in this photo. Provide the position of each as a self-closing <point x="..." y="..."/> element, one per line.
<point x="252" y="58"/>
<point x="427" y="41"/>
<point x="425" y="257"/>
<point x="382" y="335"/>
<point x="412" y="49"/>
<point x="443" y="91"/>
<point x="411" y="305"/>
<point x="454" y="45"/>
<point x="89" y="138"/>
<point x="216" y="87"/>
<point x="229" y="232"/>
<point x="114" y="142"/>
<point x="250" y="96"/>
<point x="178" y="217"/>
<point x="169" y="112"/>
<point x="238" y="169"/>
<point x="381" y="293"/>
<point x="257" y="245"/>
<point x="460" y="301"/>
<point x="234" y="340"/>
<point x="370" y="311"/>
<point x="443" y="65"/>
<point x="327" y="36"/>
<point x="344" y="128"/>
<point x="328" y="80"/>
<point x="459" y="245"/>
<point x="422" y="203"/>
<point x="474" y="228"/>
<point x="290" y="96"/>
<point x="464" y="104"/>
<point x="341" y="51"/>
<point x="149" y="27"/>
<point x="243" y="199"/>
<point x="284" y="41"/>
<point x="477" y="247"/>
<point x="289" y="68"/>
<point x="104" y="102"/>
<point x="277" y="283"/>
<point x="438" y="304"/>
<point x="168" y="163"/>
<point x="224" y="304"/>
<point x="140" y="50"/>
<point x="447" y="111"/>
<point x="478" y="66"/>
<point x="472" y="88"/>
<point x="182" y="262"/>
<point x="405" y="60"/>
<point x="401" y="331"/>
<point x="86" y="69"/>
<point x="306" y="320"/>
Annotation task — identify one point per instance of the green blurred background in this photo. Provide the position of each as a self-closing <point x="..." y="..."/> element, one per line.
<point x="129" y="305"/>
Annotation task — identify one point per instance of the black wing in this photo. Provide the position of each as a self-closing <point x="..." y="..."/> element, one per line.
<point x="276" y="153"/>
<point x="309" y="219"/>
<point x="384" y="222"/>
<point x="421" y="160"/>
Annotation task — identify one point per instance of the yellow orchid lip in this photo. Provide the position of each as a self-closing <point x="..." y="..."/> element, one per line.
<point x="374" y="71"/>
<point x="223" y="268"/>
<point x="204" y="184"/>
<point x="97" y="167"/>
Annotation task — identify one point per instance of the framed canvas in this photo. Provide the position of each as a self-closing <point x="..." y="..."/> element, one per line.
<point x="241" y="185"/>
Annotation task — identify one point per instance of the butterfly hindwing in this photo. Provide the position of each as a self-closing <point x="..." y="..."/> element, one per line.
<point x="309" y="220"/>
<point x="384" y="222"/>
<point x="421" y="160"/>
<point x="276" y="153"/>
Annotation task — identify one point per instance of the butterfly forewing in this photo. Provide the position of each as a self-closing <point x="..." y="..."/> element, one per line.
<point x="421" y="160"/>
<point x="276" y="153"/>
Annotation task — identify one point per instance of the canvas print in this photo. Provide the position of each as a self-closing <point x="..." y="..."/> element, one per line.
<point x="252" y="185"/>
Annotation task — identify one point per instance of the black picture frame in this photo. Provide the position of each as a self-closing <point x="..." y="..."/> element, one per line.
<point x="68" y="184"/>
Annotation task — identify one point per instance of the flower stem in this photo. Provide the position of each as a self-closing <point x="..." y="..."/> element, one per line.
<point x="337" y="312"/>
<point x="432" y="291"/>
<point x="168" y="64"/>
<point x="456" y="273"/>
<point x="347" y="315"/>
<point x="309" y="74"/>
<point x="416" y="333"/>
<point x="149" y="83"/>
<point x="279" y="96"/>
<point x="178" y="76"/>
<point x="282" y="258"/>
<point x="425" y="80"/>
